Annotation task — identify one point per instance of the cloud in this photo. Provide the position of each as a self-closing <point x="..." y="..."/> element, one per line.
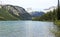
<point x="34" y="4"/>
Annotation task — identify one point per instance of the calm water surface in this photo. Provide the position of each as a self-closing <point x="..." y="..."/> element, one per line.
<point x="26" y="29"/>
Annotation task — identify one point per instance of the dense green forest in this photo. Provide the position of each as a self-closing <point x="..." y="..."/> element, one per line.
<point x="49" y="16"/>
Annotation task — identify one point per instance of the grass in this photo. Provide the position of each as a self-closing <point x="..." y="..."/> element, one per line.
<point x="57" y="34"/>
<point x="57" y="23"/>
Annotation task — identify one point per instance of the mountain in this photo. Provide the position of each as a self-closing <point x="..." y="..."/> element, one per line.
<point x="10" y="12"/>
<point x="36" y="14"/>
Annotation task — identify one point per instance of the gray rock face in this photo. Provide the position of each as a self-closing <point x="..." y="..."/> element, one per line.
<point x="23" y="13"/>
<point x="19" y="12"/>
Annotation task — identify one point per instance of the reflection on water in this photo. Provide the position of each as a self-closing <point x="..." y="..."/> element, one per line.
<point x="26" y="29"/>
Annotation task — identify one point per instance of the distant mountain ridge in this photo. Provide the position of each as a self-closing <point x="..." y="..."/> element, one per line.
<point x="36" y="14"/>
<point x="10" y="12"/>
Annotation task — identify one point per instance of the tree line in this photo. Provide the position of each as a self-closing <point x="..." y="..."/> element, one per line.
<point x="49" y="16"/>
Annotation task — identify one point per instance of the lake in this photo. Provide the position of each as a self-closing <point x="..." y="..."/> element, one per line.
<point x="26" y="29"/>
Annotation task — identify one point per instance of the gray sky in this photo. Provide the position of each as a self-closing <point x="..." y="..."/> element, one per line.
<point x="37" y="5"/>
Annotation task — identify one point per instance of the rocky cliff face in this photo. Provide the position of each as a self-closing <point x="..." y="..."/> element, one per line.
<point x="17" y="12"/>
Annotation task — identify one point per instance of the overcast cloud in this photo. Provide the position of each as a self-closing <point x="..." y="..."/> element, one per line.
<point x="34" y="4"/>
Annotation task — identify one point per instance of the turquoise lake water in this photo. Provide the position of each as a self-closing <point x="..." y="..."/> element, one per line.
<point x="26" y="29"/>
